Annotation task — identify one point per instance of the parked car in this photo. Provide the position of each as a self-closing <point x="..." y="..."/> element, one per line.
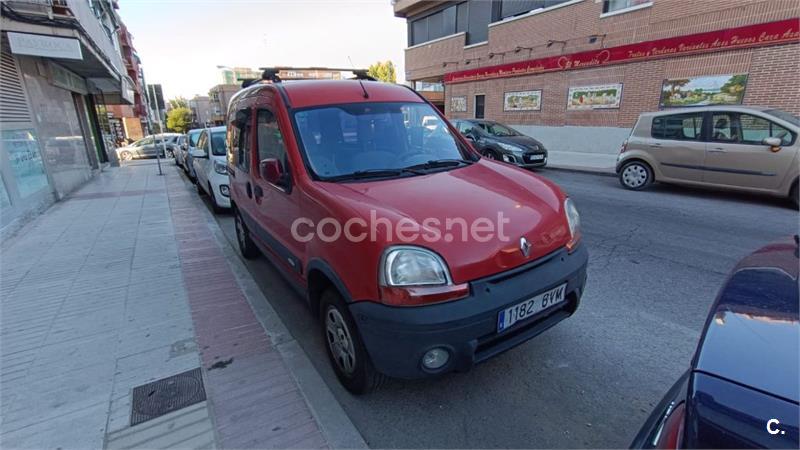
<point x="181" y="146"/>
<point x="503" y="143"/>
<point x="356" y="152"/>
<point x="741" y="389"/>
<point x="150" y="147"/>
<point x="729" y="147"/>
<point x="211" y="168"/>
<point x="191" y="137"/>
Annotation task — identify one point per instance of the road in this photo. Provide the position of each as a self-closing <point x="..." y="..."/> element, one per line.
<point x="657" y="260"/>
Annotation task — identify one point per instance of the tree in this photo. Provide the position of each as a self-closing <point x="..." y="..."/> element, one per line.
<point x="178" y="102"/>
<point x="383" y="71"/>
<point x="179" y="119"/>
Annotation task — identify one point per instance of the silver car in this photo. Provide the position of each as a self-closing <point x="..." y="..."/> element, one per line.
<point x="729" y="147"/>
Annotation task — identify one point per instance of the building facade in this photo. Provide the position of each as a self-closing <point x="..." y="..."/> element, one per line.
<point x="219" y="96"/>
<point x="201" y="110"/>
<point x="572" y="72"/>
<point x="130" y="122"/>
<point x="60" y="63"/>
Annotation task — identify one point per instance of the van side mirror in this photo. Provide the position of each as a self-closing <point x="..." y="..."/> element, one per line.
<point x="773" y="143"/>
<point x="271" y="170"/>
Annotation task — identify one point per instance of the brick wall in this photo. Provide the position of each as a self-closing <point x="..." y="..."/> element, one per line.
<point x="772" y="82"/>
<point x="527" y="38"/>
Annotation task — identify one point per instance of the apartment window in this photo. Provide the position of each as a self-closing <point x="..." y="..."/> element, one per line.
<point x="479" y="17"/>
<point x="620" y="5"/>
<point x="512" y="8"/>
<point x="434" y="26"/>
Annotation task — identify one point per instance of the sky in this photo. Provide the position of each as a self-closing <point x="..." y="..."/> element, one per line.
<point x="181" y="43"/>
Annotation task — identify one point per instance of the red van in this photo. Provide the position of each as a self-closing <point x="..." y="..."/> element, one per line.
<point x="419" y="256"/>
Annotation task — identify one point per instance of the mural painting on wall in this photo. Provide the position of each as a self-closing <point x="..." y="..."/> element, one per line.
<point x="458" y="104"/>
<point x="705" y="90"/>
<point x="605" y="96"/>
<point x="523" y="101"/>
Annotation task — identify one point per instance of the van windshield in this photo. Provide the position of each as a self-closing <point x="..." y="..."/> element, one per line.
<point x="341" y="140"/>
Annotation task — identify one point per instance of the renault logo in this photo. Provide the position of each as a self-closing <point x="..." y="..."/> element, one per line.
<point x="524" y="246"/>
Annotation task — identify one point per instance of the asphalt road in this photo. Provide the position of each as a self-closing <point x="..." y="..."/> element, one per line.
<point x="657" y="260"/>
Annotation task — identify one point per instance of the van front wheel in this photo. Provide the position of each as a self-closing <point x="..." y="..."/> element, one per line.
<point x="635" y="175"/>
<point x="346" y="350"/>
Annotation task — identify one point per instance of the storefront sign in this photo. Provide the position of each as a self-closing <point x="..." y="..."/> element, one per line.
<point x="47" y="46"/>
<point x="458" y="104"/>
<point x="606" y="96"/>
<point x="781" y="32"/>
<point x="523" y="101"/>
<point x="702" y="91"/>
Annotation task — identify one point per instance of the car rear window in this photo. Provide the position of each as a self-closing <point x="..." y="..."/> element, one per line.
<point x="218" y="143"/>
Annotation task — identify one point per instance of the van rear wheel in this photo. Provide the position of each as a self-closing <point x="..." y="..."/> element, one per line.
<point x="635" y="175"/>
<point x="346" y="350"/>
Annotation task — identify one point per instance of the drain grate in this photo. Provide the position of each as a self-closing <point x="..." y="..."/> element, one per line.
<point x="169" y="394"/>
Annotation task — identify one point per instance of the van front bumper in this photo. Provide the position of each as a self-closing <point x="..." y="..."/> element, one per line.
<point x="396" y="338"/>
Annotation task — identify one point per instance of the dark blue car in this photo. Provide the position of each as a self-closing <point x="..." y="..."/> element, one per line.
<point x="741" y="390"/>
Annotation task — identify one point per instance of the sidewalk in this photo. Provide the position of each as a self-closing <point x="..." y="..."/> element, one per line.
<point x="127" y="282"/>
<point x="582" y="162"/>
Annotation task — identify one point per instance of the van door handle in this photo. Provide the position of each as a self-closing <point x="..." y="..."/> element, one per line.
<point x="718" y="150"/>
<point x="258" y="192"/>
<point x="655" y="145"/>
<point x="249" y="190"/>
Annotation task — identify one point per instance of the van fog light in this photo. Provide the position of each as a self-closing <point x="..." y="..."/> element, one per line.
<point x="435" y="358"/>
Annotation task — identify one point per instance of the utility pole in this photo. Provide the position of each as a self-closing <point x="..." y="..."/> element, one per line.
<point x="161" y="128"/>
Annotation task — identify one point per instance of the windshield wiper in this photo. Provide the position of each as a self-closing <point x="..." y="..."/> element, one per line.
<point x="372" y="173"/>
<point x="438" y="163"/>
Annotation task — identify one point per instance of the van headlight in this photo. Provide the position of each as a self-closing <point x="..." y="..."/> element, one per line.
<point x="574" y="222"/>
<point x="412" y="266"/>
<point x="220" y="168"/>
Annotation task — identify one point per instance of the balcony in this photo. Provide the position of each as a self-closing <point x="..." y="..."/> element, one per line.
<point x="99" y="61"/>
<point x="406" y="8"/>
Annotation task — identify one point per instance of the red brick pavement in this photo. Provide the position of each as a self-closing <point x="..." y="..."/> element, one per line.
<point x="254" y="399"/>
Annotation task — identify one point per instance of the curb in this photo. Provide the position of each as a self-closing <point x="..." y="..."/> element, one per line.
<point x="608" y="172"/>
<point x="337" y="428"/>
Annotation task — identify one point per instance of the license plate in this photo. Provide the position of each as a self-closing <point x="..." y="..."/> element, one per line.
<point x="529" y="308"/>
<point x="535" y="157"/>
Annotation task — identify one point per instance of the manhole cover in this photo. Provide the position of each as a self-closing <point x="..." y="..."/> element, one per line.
<point x="169" y="394"/>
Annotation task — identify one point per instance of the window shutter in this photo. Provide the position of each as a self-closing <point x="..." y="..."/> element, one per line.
<point x="13" y="105"/>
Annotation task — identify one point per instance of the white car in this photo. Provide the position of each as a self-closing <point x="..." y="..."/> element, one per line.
<point x="209" y="160"/>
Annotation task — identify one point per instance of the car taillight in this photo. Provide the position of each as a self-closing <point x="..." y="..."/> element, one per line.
<point x="624" y="147"/>
<point x="671" y="432"/>
<point x="422" y="295"/>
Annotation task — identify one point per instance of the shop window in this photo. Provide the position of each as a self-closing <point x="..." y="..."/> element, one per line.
<point x="621" y="5"/>
<point x="25" y="161"/>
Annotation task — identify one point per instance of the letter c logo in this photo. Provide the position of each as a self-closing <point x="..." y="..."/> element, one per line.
<point x="772" y="430"/>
